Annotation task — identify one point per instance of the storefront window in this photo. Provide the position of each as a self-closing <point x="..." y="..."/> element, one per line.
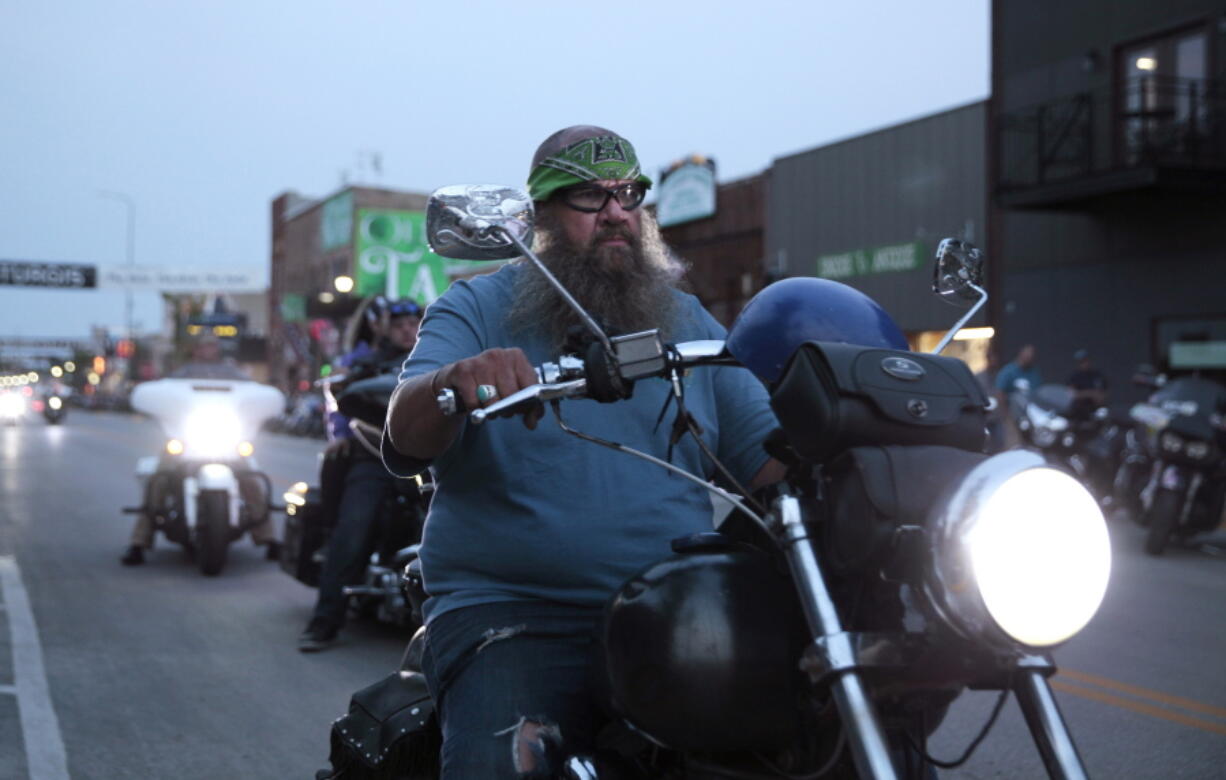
<point x="971" y="346"/>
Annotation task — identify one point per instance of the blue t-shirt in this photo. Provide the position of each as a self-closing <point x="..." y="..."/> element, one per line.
<point x="523" y="515"/>
<point x="1006" y="380"/>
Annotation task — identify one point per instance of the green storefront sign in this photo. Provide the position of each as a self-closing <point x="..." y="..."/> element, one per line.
<point x="392" y="257"/>
<point x="862" y="262"/>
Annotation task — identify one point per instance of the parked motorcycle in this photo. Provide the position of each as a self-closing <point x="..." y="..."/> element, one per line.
<point x="897" y="567"/>
<point x="1086" y="446"/>
<point x="1173" y="472"/>
<point x="205" y="489"/>
<point x="311" y="510"/>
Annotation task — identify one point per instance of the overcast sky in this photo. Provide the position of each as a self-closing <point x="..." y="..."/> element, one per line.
<point x="202" y="112"/>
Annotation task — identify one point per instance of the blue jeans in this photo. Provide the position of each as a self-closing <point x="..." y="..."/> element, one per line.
<point x="367" y="484"/>
<point x="512" y="681"/>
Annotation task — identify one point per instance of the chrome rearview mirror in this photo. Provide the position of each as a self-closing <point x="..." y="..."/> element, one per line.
<point x="479" y="221"/>
<point x="957" y="275"/>
<point x="491" y="222"/>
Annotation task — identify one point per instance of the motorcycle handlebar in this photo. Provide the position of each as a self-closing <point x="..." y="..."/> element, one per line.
<point x="555" y="382"/>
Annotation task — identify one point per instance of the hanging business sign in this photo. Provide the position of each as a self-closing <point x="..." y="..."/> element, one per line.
<point x="686" y="193"/>
<point x="182" y="280"/>
<point x="862" y="262"/>
<point x="392" y="257"/>
<point x="62" y="276"/>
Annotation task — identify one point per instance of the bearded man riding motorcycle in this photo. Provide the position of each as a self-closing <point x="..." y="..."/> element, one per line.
<point x="364" y="483"/>
<point x="531" y="530"/>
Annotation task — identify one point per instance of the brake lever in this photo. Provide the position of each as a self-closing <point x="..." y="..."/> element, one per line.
<point x="535" y="393"/>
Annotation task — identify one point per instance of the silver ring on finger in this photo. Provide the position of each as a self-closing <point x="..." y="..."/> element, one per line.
<point x="486" y="393"/>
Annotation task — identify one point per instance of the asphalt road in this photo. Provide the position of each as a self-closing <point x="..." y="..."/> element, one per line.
<point x="158" y="672"/>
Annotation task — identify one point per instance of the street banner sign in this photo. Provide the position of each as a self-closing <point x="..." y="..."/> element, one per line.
<point x="61" y="276"/>
<point x="182" y="280"/>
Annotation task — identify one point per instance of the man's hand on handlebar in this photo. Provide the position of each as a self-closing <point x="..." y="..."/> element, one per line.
<point x="506" y="370"/>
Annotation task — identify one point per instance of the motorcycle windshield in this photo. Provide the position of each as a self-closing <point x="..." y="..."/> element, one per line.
<point x="1053" y="398"/>
<point x="1209" y="396"/>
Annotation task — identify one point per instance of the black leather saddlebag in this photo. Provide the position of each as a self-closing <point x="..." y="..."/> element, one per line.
<point x="873" y="491"/>
<point x="305" y="533"/>
<point x="389" y="733"/>
<point x="836" y="396"/>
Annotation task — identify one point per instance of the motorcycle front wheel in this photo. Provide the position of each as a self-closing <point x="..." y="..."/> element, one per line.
<point x="212" y="531"/>
<point x="1163" y="517"/>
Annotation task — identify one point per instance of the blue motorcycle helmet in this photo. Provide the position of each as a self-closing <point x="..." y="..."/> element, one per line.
<point x="786" y="314"/>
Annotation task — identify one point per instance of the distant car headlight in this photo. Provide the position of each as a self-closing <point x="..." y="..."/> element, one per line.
<point x="1021" y="553"/>
<point x="12" y="405"/>
<point x="212" y="432"/>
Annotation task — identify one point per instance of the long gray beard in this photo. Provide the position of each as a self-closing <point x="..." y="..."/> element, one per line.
<point x="638" y="296"/>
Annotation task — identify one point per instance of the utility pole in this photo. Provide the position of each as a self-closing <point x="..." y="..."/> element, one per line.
<point x="127" y="200"/>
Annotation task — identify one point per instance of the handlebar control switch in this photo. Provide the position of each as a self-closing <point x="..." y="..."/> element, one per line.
<point x="640" y="355"/>
<point x="611" y="377"/>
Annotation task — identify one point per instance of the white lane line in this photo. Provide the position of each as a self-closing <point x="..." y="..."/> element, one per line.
<point x="40" y="729"/>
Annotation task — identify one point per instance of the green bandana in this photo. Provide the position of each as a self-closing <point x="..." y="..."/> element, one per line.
<point x="607" y="157"/>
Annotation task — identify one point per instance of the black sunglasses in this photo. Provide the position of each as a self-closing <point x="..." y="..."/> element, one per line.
<point x="591" y="198"/>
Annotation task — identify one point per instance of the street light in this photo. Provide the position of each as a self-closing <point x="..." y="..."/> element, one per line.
<point x="343" y="284"/>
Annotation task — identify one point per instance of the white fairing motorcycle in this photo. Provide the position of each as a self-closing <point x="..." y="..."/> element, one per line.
<point x="205" y="490"/>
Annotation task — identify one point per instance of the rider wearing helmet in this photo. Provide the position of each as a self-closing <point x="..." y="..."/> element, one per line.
<point x="381" y="334"/>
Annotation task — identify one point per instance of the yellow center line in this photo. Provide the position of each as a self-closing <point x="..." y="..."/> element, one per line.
<point x="1140" y="707"/>
<point x="1145" y="693"/>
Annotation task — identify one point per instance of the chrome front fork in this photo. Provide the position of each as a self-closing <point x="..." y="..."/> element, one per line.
<point x="834" y="647"/>
<point x="832" y="656"/>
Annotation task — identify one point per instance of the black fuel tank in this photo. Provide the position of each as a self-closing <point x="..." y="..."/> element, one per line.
<point x="702" y="652"/>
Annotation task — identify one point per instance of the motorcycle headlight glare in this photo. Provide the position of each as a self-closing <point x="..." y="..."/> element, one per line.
<point x="1170" y="442"/>
<point x="1197" y="449"/>
<point x="1021" y="554"/>
<point x="54" y="402"/>
<point x="213" y="432"/>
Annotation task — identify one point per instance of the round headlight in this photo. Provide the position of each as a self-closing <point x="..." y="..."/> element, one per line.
<point x="1170" y="442"/>
<point x="1044" y="437"/>
<point x="1022" y="553"/>
<point x="1197" y="449"/>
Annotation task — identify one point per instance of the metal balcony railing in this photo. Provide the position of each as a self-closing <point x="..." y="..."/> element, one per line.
<point x="1148" y="121"/>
